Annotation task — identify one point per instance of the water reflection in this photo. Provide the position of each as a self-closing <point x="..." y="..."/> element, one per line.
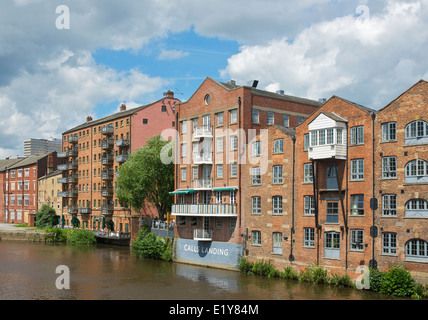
<point x="103" y="272"/>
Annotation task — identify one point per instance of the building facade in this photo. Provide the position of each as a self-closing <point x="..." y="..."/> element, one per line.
<point x="20" y="188"/>
<point x="214" y="126"/>
<point x="401" y="184"/>
<point x="47" y="191"/>
<point x="92" y="155"/>
<point x="36" y="147"/>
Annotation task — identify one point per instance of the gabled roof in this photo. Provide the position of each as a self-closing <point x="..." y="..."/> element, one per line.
<point x="404" y="93"/>
<point x="7" y="163"/>
<point x="231" y="85"/>
<point x="27" y="161"/>
<point x="287" y="130"/>
<point x="359" y="106"/>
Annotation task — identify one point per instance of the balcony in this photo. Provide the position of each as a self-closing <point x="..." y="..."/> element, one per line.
<point x="72" y="152"/>
<point x="107" y="130"/>
<point x="204" y="183"/>
<point x="122" y="158"/>
<point x="63" y="167"/>
<point x="69" y="166"/>
<point x="107" y="191"/>
<point x="62" y="194"/>
<point x="62" y="154"/>
<point x="203" y="132"/>
<point x="202" y="235"/>
<point x="106" y="160"/>
<point x="72" y="193"/>
<point x="84" y="210"/>
<point x="107" y="174"/>
<point x="207" y="210"/>
<point x="73" y="139"/>
<point x="202" y="158"/>
<point x="108" y="144"/>
<point x="62" y="180"/>
<point x="122" y="143"/>
<point x="107" y="210"/>
<point x="72" y="210"/>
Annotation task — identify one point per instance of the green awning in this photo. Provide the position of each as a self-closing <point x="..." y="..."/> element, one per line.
<point x="225" y="189"/>
<point x="183" y="191"/>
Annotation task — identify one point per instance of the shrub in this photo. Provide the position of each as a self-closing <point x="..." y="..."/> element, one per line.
<point x="314" y="274"/>
<point x="290" y="273"/>
<point x="341" y="281"/>
<point x="149" y="245"/>
<point x="46" y="217"/>
<point x="397" y="281"/>
<point x="79" y="236"/>
<point x="244" y="265"/>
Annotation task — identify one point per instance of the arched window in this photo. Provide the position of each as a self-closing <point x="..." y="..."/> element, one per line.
<point x="416" y="171"/>
<point x="417" y="250"/>
<point x="417" y="208"/>
<point x="417" y="132"/>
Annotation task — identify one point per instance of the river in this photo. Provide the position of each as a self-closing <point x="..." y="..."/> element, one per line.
<point x="106" y="272"/>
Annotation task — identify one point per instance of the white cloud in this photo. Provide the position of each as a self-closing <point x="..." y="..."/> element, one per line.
<point x="172" y="54"/>
<point x="370" y="62"/>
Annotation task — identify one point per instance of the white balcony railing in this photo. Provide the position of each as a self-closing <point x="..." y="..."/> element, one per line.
<point x="203" y="132"/>
<point x="202" y="235"/>
<point x="204" y="183"/>
<point x="218" y="210"/>
<point x="206" y="158"/>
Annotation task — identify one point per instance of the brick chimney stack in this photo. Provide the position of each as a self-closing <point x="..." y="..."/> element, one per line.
<point x="88" y="118"/>
<point x="122" y="107"/>
<point x="169" y="94"/>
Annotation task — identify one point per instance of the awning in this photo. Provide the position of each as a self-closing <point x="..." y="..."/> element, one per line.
<point x="225" y="188"/>
<point x="182" y="191"/>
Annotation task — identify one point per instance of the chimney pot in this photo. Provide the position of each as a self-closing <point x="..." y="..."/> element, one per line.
<point x="169" y="94"/>
<point x="88" y="118"/>
<point x="122" y="107"/>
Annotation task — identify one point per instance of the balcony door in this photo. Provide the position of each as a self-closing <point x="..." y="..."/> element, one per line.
<point x="331" y="180"/>
<point x="206" y="122"/>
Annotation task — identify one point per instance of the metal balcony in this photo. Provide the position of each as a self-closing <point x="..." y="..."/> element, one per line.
<point x="84" y="210"/>
<point x="107" y="210"/>
<point x="107" y="175"/>
<point x="72" y="193"/>
<point x="62" y="180"/>
<point x="107" y="145"/>
<point x="202" y="158"/>
<point x="72" y="209"/>
<point x="107" y="191"/>
<point x="202" y="235"/>
<point x="107" y="130"/>
<point x="105" y="160"/>
<point x="122" y="158"/>
<point x="62" y="194"/>
<point x="63" y="167"/>
<point x="62" y="154"/>
<point x="73" y="139"/>
<point x="72" y="152"/>
<point x="121" y="143"/>
<point x="205" y="210"/>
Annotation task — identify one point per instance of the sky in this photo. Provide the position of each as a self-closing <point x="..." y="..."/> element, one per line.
<point x="61" y="61"/>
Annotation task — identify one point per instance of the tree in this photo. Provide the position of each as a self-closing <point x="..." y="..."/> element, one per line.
<point x="144" y="178"/>
<point x="46" y="217"/>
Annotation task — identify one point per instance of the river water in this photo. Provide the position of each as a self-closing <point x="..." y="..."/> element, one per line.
<point x="105" y="272"/>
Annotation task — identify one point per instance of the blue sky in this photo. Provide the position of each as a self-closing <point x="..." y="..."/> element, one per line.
<point x="51" y="78"/>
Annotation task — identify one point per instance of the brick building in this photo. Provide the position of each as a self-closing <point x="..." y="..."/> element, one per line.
<point x="92" y="154"/>
<point x="401" y="184"/>
<point x="47" y="191"/>
<point x="268" y="204"/>
<point x="334" y="186"/>
<point x="214" y="126"/>
<point x="19" y="186"/>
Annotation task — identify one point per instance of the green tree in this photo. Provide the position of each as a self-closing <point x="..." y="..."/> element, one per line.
<point x="144" y="178"/>
<point x="46" y="217"/>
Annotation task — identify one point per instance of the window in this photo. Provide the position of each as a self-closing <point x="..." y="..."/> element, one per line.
<point x="256" y="238"/>
<point x="332" y="212"/>
<point x="299" y="120"/>
<point x="27" y="200"/>
<point x="277" y="174"/>
<point x="417" y="129"/>
<point x="277" y="205"/>
<point x="194" y="124"/>
<point x="183" y="174"/>
<point x="145" y="121"/>
<point x="417" y="208"/>
<point x="163" y="108"/>
<point x="233" y="116"/>
<point x="270" y="118"/>
<point x="357" y="237"/>
<point x="184" y="126"/>
<point x="308" y="237"/>
<point x="307" y="173"/>
<point x="278" y="146"/>
<point x="332" y="240"/>
<point x="277" y="243"/>
<point x="233" y="169"/>
<point x="207" y="99"/>
<point x="220" y="119"/>
<point x="256" y="205"/>
<point x="389" y="167"/>
<point x="219" y="171"/>
<point x="357" y="204"/>
<point x="357" y="169"/>
<point x="26" y="185"/>
<point x="19" y="173"/>
<point x="183" y="150"/>
<point x="389" y="205"/>
<point x="285" y="120"/>
<point x="306" y="142"/>
<point x="218" y="197"/>
<point x="26" y="172"/>
<point x="357" y="135"/>
<point x="256" y="148"/>
<point x="417" y="249"/>
<point x="330" y="136"/>
<point x="416" y="171"/>
<point x="233" y="143"/>
<point x="12" y="173"/>
<point x="256" y="177"/>
<point x="254" y="116"/>
<point x="219" y="147"/>
<point x="308" y="205"/>
<point x="389" y="131"/>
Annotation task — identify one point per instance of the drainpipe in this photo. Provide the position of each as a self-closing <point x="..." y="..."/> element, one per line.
<point x="291" y="258"/>
<point x="373" y="206"/>
<point x="314" y="179"/>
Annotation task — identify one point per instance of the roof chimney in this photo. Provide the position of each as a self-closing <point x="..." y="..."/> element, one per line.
<point x="88" y="118"/>
<point x="122" y="107"/>
<point x="281" y="92"/>
<point x="169" y="94"/>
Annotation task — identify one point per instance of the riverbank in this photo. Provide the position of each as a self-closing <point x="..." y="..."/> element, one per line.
<point x="20" y="233"/>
